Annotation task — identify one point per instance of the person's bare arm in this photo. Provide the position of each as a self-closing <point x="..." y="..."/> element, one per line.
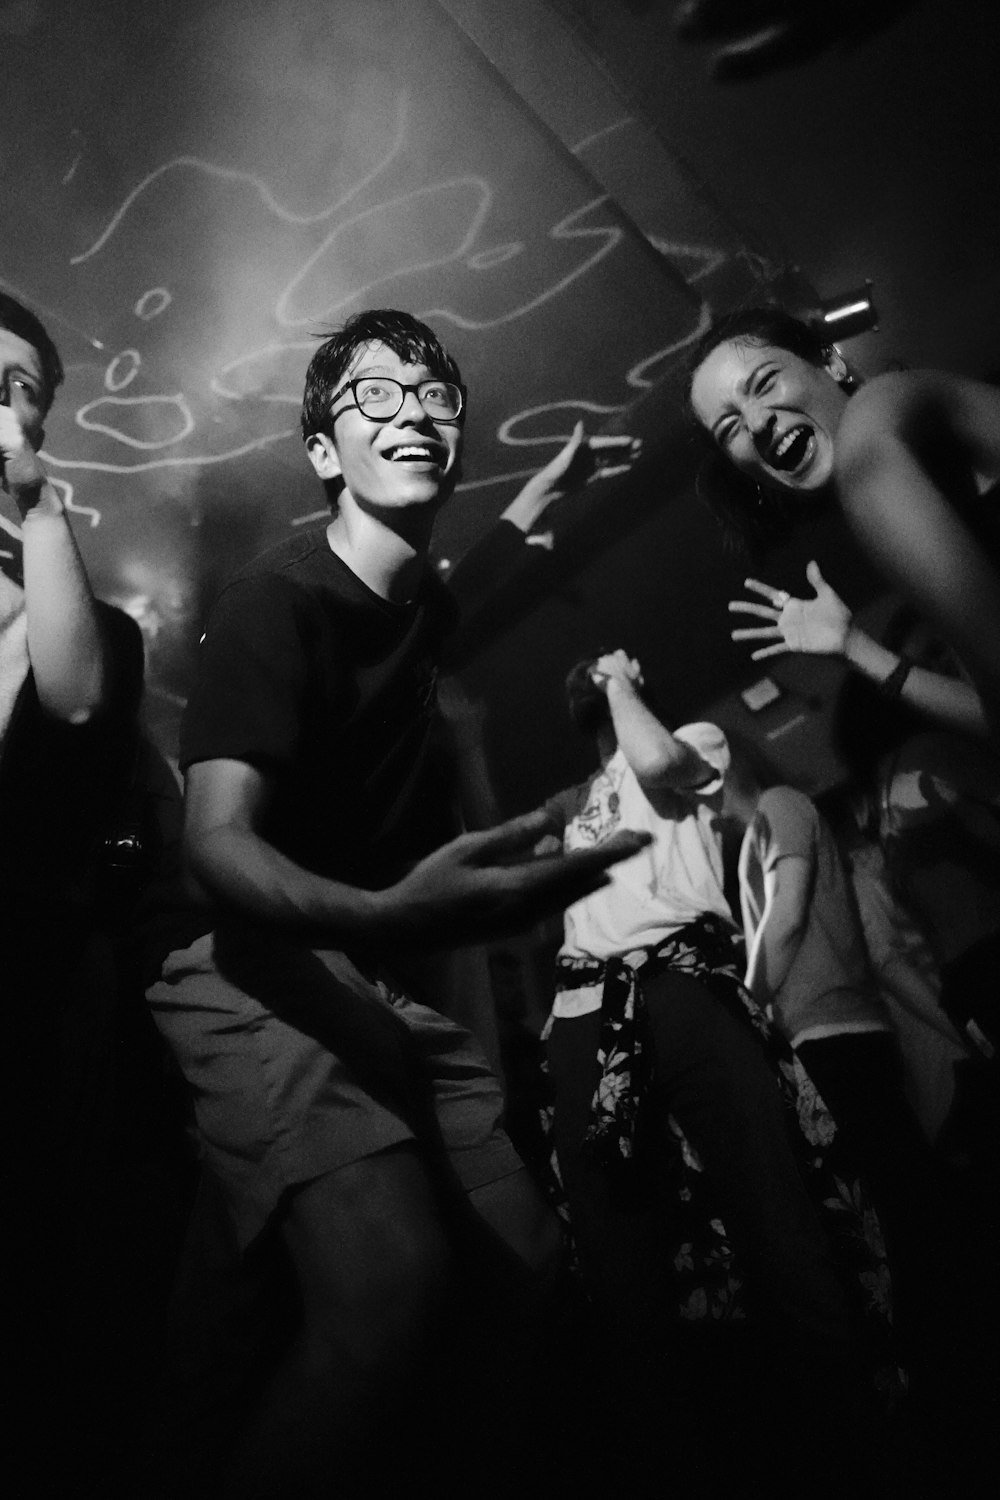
<point x="660" y="760"/>
<point x="68" y="651"/>
<point x="909" y="524"/>
<point x="579" y="461"/>
<point x="782" y="927"/>
<point x="479" y="885"/>
<point x="824" y="626"/>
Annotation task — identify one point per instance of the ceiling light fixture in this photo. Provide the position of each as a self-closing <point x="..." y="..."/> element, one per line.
<point x="846" y="316"/>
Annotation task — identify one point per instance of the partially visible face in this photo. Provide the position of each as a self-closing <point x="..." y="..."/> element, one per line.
<point x="410" y="460"/>
<point x="774" y="415"/>
<point x="22" y="385"/>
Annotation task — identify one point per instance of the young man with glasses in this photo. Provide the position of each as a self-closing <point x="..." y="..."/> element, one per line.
<point x="357" y="1130"/>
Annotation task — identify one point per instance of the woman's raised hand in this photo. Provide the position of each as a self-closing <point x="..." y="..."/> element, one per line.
<point x="817" y="626"/>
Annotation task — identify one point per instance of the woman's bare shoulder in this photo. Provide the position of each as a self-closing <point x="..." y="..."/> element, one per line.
<point x="898" y="406"/>
<point x="888" y="400"/>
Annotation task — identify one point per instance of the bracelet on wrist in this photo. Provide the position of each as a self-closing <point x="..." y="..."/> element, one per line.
<point x="892" y="686"/>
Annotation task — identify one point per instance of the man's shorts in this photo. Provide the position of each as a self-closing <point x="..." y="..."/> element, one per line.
<point x="300" y="1064"/>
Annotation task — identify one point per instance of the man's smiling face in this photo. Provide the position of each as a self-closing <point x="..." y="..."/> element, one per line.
<point x="410" y="460"/>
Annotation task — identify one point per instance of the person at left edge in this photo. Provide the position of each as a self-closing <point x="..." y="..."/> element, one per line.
<point x="70" y="680"/>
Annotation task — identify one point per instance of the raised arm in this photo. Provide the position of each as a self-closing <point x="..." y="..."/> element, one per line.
<point x="579" y="461"/>
<point x="69" y="653"/>
<point x="824" y="626"/>
<point x="509" y="562"/>
<point x="660" y="760"/>
<point x="479" y="885"/>
<point x="910" y="445"/>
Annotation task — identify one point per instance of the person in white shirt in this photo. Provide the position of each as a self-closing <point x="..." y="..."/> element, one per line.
<point x="651" y="1026"/>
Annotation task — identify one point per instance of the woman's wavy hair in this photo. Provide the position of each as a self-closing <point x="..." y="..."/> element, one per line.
<point x="752" y="518"/>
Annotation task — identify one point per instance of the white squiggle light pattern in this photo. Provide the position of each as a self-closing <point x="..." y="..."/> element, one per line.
<point x="156" y="299"/>
<point x="491" y="479"/>
<point x="194" y="461"/>
<point x="485" y="260"/>
<point x="179" y="402"/>
<point x="711" y="257"/>
<point x="478" y="184"/>
<point x="220" y="388"/>
<point x="71" y="173"/>
<point x="636" y="377"/>
<point x="259" y="185"/>
<point x="66" y="495"/>
<point x="504" y="430"/>
<point x="113" y="381"/>
<point x="587" y="141"/>
<point x="144" y="311"/>
<point x="610" y="234"/>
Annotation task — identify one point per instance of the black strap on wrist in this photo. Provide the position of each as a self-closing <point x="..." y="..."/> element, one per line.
<point x="892" y="686"/>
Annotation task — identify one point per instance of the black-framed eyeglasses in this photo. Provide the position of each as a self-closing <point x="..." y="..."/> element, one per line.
<point x="380" y="398"/>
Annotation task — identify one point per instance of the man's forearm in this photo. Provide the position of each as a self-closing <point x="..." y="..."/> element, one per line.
<point x="654" y="754"/>
<point x="66" y="645"/>
<point x="247" y="877"/>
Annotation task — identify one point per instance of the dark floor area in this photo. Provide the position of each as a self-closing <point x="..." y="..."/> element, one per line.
<point x="700" y="1413"/>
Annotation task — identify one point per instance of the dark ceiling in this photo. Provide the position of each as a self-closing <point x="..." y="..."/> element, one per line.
<point x="193" y="191"/>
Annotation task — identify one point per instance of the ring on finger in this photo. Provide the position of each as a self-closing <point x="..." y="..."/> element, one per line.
<point x="780" y="598"/>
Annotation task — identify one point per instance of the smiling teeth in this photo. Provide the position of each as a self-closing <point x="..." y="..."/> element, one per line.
<point x="411" y="452"/>
<point x="786" y="441"/>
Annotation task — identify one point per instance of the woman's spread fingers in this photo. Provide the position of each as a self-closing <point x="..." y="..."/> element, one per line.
<point x="762" y="633"/>
<point x="748" y="607"/>
<point x="778" y="597"/>
<point x="763" y="651"/>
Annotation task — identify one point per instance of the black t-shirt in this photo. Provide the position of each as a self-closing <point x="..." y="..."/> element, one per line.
<point x="307" y="674"/>
<point x="62" y="786"/>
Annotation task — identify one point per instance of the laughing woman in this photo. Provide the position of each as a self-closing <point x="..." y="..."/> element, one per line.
<point x="912" y="458"/>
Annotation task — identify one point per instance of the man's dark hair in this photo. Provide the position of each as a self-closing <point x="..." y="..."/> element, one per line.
<point x="587" y="704"/>
<point x="404" y="334"/>
<point x="18" y="320"/>
<point x="752" y="518"/>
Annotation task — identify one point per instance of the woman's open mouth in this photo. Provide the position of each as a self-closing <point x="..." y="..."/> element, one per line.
<point x="792" y="449"/>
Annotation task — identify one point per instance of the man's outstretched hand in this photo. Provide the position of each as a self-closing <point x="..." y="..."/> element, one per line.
<point x="484" y="885"/>
<point x="580" y="461"/>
